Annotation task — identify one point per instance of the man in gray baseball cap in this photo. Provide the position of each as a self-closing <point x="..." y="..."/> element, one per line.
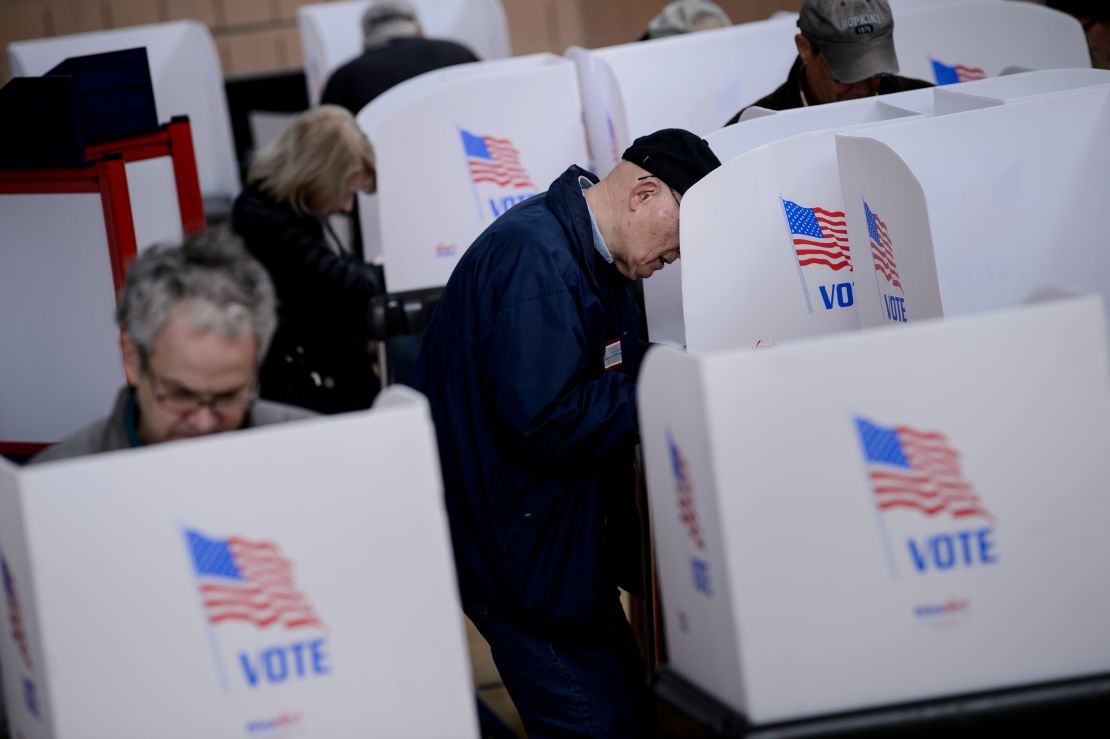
<point x="845" y="51"/>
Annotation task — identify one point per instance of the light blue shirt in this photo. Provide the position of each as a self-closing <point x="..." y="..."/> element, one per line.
<point x="599" y="242"/>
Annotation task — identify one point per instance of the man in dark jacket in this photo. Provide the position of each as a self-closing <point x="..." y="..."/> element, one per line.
<point x="530" y="367"/>
<point x="394" y="51"/>
<point x="845" y="51"/>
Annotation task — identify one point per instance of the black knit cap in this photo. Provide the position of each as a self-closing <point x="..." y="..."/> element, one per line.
<point x="677" y="157"/>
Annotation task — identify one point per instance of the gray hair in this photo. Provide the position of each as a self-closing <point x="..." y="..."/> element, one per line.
<point x="222" y="288"/>
<point x="685" y="16"/>
<point x="385" y="20"/>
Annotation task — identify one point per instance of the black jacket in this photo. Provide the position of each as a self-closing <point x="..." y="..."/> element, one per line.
<point x="320" y="356"/>
<point x="362" y="79"/>
<point x="789" y="94"/>
<point x="536" y="437"/>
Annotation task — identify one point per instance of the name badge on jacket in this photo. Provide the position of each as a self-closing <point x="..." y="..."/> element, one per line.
<point x="613" y="355"/>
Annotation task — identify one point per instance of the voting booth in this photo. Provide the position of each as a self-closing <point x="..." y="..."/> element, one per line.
<point x="288" y="580"/>
<point x="981" y="221"/>
<point x="695" y="81"/>
<point x="187" y="80"/>
<point x="963" y="41"/>
<point x="764" y="245"/>
<point x="887" y="517"/>
<point x="455" y="150"/>
<point x="748" y="274"/>
<point x="331" y="33"/>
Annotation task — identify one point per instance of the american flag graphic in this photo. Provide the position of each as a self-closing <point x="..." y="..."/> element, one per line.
<point x="881" y="251"/>
<point x="820" y="236"/>
<point x="15" y="614"/>
<point x="918" y="470"/>
<point x="248" y="581"/>
<point x="494" y="160"/>
<point x="687" y="513"/>
<point x="951" y="74"/>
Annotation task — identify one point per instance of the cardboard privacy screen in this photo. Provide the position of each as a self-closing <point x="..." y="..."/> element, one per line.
<point x="884" y="516"/>
<point x="331" y="33"/>
<point x="984" y="219"/>
<point x="292" y="580"/>
<point x="455" y="150"/>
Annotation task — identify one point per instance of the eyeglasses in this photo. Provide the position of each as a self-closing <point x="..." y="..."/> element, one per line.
<point x="673" y="195"/>
<point x="183" y="401"/>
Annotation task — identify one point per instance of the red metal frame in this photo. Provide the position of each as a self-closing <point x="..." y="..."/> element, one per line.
<point x="108" y="178"/>
<point x="175" y="140"/>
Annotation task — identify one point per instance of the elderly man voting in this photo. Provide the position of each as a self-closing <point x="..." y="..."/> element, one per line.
<point x="530" y="367"/>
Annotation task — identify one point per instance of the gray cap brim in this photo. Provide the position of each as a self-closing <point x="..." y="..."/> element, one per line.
<point x="858" y="61"/>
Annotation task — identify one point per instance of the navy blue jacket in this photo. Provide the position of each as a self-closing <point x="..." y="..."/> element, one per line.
<point x="536" y="438"/>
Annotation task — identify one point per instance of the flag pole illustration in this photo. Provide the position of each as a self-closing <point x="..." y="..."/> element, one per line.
<point x="797" y="262"/>
<point x="818" y="236"/>
<point x="466" y="136"/>
<point x="244" y="581"/>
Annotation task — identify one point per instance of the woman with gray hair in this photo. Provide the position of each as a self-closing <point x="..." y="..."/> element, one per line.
<point x="321" y="355"/>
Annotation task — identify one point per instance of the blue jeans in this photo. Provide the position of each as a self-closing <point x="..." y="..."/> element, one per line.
<point x="589" y="682"/>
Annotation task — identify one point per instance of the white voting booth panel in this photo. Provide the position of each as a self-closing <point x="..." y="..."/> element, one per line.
<point x="732" y="231"/>
<point x="60" y="362"/>
<point x="455" y="150"/>
<point x="185" y="72"/>
<point x="734" y="140"/>
<point x="717" y="309"/>
<point x="290" y="580"/>
<point x="331" y="33"/>
<point x="383" y="109"/>
<point x="886" y="517"/>
<point x="765" y="249"/>
<point x="154" y="206"/>
<point x="957" y="42"/>
<point x="959" y="214"/>
<point x="694" y="81"/>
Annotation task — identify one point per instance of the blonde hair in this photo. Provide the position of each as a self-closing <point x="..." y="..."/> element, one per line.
<point x="314" y="159"/>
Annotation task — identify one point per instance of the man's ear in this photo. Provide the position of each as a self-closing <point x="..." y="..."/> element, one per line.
<point x="805" y="49"/>
<point x="132" y="363"/>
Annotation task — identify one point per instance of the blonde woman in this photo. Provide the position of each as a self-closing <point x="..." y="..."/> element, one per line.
<point x="320" y="357"/>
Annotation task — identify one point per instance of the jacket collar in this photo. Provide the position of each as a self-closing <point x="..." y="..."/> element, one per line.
<point x="567" y="201"/>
